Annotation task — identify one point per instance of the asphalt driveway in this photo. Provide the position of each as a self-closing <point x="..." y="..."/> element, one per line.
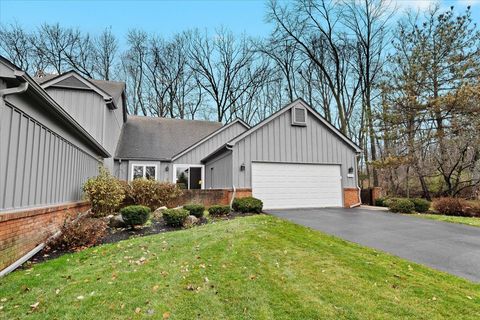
<point x="449" y="247"/>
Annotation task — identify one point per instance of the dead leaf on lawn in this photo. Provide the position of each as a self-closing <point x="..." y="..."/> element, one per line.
<point x="155" y="288"/>
<point x="80" y="297"/>
<point x="3" y="299"/>
<point x="470" y="298"/>
<point x="35" y="305"/>
<point x="253" y="277"/>
<point x="57" y="291"/>
<point x="138" y="310"/>
<point x="166" y="315"/>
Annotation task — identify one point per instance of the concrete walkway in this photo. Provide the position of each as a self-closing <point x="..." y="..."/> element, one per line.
<point x="449" y="247"/>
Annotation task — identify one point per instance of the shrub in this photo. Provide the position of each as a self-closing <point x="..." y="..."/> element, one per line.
<point x="388" y="202"/>
<point x="471" y="208"/>
<point x="104" y="192"/>
<point x="448" y="206"/>
<point x="421" y="205"/>
<point x="135" y="215"/>
<point x="247" y="205"/>
<point x="402" y="206"/>
<point x="380" y="202"/>
<point x="151" y="193"/>
<point x="196" y="210"/>
<point x="219" y="210"/>
<point x="80" y="233"/>
<point x="175" y="217"/>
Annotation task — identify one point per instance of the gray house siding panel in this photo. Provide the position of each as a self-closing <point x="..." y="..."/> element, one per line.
<point x="279" y="141"/>
<point x="34" y="170"/>
<point x="88" y="108"/>
<point x="195" y="155"/>
<point x="218" y="172"/>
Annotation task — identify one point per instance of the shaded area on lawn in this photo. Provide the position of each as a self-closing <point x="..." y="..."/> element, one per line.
<point x="255" y="267"/>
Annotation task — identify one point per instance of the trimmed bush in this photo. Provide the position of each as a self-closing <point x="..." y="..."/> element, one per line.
<point x="194" y="209"/>
<point x="218" y="210"/>
<point x="78" y="234"/>
<point x="175" y="217"/>
<point x="421" y="205"/>
<point x="104" y="192"/>
<point x="471" y="208"/>
<point x="135" y="215"/>
<point x="247" y="205"/>
<point x="151" y="193"/>
<point x="402" y="206"/>
<point x="380" y="202"/>
<point x="388" y="202"/>
<point x="448" y="206"/>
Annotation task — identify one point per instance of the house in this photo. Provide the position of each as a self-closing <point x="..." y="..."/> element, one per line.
<point x="57" y="129"/>
<point x="292" y="159"/>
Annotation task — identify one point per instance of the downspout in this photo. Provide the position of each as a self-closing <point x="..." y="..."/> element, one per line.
<point x="229" y="147"/>
<point x="358" y="187"/>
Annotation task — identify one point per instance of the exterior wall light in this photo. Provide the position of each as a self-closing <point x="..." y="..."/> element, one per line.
<point x="242" y="167"/>
<point x="167" y="168"/>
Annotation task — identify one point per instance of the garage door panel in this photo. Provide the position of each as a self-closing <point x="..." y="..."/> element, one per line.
<point x="281" y="185"/>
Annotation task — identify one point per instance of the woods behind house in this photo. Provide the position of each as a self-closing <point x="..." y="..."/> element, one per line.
<point x="404" y="86"/>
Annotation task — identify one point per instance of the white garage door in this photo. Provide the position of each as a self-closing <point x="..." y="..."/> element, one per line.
<point x="288" y="185"/>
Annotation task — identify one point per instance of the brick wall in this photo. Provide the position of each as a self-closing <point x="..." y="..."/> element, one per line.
<point x="350" y="197"/>
<point x="209" y="197"/>
<point x="21" y="231"/>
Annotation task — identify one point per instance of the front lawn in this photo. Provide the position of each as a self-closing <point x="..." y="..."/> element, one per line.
<point x="257" y="267"/>
<point x="471" y="221"/>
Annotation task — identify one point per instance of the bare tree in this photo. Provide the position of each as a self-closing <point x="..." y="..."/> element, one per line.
<point x="105" y="52"/>
<point x="227" y="69"/>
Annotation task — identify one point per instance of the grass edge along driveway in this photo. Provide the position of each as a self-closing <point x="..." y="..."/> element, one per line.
<point x="257" y="267"/>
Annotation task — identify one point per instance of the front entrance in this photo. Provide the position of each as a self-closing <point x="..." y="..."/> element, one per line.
<point x="189" y="176"/>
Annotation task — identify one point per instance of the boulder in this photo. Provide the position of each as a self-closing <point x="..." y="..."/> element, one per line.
<point x="117" y="222"/>
<point x="190" y="221"/>
<point x="157" y="214"/>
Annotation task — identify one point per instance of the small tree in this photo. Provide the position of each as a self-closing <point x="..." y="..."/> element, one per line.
<point x="104" y="192"/>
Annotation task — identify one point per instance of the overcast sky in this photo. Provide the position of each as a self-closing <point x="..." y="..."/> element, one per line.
<point x="165" y="17"/>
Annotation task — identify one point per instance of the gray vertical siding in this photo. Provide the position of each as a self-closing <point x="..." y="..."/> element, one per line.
<point x="279" y="141"/>
<point x="218" y="172"/>
<point x="195" y="155"/>
<point x="38" y="166"/>
<point x="88" y="108"/>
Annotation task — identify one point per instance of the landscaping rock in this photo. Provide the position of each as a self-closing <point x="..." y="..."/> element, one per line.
<point x="117" y="222"/>
<point x="190" y="221"/>
<point x="157" y="214"/>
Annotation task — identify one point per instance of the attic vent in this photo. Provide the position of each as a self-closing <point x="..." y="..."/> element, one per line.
<point x="299" y="116"/>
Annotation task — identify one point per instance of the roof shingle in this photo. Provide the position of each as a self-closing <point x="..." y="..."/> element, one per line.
<point x="160" y="138"/>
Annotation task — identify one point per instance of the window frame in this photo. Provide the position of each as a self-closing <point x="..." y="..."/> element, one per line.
<point x="174" y="173"/>
<point x="144" y="165"/>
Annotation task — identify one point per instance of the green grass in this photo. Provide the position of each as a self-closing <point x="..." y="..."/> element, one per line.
<point x="257" y="267"/>
<point x="463" y="220"/>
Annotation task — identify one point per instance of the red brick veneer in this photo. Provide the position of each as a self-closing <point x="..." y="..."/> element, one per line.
<point x="350" y="197"/>
<point x="23" y="230"/>
<point x="209" y="197"/>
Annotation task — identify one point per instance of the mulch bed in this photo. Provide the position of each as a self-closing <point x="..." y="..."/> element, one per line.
<point x="116" y="235"/>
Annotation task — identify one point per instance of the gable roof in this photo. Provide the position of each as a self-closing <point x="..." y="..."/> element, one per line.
<point x="110" y="91"/>
<point x="154" y="138"/>
<point x="297" y="102"/>
<point x="221" y="129"/>
<point x="53" y="107"/>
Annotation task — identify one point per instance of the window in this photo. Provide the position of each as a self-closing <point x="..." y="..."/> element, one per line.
<point x="147" y="171"/>
<point x="188" y="176"/>
<point x="299" y="116"/>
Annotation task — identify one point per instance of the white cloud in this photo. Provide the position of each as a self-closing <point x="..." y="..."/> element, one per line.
<point x="469" y="2"/>
<point x="421" y="5"/>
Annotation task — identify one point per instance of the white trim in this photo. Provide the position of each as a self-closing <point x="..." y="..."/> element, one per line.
<point x="285" y="109"/>
<point x="221" y="129"/>
<point x="174" y="173"/>
<point x="144" y="169"/>
<point x="74" y="74"/>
